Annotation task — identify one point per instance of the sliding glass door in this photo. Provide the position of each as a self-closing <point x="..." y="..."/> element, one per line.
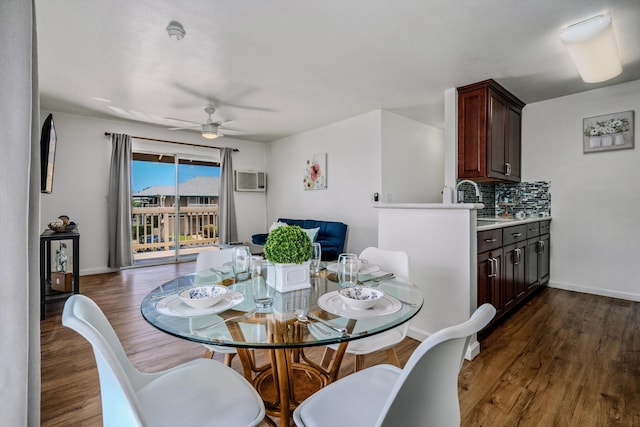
<point x="174" y="207"/>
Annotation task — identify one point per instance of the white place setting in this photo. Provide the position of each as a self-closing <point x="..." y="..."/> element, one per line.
<point x="173" y="305"/>
<point x="363" y="268"/>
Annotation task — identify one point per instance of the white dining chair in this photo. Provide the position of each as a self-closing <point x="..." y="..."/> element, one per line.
<point x="396" y="262"/>
<point x="424" y="393"/>
<point x="197" y="393"/>
<point x="205" y="262"/>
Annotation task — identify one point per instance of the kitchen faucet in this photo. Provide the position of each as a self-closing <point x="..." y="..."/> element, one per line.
<point x="466" y="181"/>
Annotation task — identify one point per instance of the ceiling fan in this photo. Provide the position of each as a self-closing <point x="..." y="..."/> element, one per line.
<point x="210" y="129"/>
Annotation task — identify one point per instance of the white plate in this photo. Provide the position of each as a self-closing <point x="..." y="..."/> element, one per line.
<point x="364" y="268"/>
<point x="332" y="303"/>
<point x="173" y="306"/>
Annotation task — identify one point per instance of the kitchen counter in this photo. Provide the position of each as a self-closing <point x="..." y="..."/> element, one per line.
<point x="493" y="223"/>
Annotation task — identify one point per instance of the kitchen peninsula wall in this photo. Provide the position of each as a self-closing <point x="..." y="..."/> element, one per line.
<point x="530" y="197"/>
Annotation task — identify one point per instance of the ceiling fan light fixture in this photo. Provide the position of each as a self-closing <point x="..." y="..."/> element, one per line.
<point x="593" y="49"/>
<point x="175" y="30"/>
<point x="210" y="131"/>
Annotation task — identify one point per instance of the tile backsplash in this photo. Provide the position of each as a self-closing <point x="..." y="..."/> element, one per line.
<point x="527" y="197"/>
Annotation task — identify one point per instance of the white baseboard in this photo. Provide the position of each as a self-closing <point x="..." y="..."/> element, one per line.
<point x="417" y="334"/>
<point x="473" y="350"/>
<point x="601" y="292"/>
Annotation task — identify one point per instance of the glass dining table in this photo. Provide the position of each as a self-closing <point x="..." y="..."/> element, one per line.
<point x="314" y="316"/>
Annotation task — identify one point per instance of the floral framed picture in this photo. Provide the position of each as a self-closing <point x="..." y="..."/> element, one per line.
<point x="315" y="172"/>
<point x="608" y="132"/>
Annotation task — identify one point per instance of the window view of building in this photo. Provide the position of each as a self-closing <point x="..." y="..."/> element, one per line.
<point x="164" y="213"/>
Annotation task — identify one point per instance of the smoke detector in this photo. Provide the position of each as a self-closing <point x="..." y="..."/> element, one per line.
<point x="175" y="30"/>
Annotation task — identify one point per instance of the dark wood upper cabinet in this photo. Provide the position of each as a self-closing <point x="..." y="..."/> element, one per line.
<point x="489" y="133"/>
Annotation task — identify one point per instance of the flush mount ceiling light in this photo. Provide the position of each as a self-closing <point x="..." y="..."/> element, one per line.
<point x="175" y="30"/>
<point x="593" y="49"/>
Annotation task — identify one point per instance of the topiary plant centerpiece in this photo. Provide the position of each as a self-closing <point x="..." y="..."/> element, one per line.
<point x="288" y="249"/>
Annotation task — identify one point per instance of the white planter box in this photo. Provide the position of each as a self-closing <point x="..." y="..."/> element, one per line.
<point x="288" y="277"/>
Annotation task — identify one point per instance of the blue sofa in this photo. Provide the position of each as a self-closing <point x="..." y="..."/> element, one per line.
<point x="331" y="235"/>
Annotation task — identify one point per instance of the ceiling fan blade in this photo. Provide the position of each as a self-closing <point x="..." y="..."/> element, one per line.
<point x="245" y="107"/>
<point x="181" y="120"/>
<point x="220" y="124"/>
<point x="186" y="127"/>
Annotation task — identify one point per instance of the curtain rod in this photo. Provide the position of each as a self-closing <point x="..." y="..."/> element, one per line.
<point x="172" y="142"/>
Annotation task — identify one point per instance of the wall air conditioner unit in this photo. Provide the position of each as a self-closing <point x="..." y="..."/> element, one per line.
<point x="251" y="181"/>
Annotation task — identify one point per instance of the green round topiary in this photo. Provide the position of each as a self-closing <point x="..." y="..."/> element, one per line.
<point x="288" y="244"/>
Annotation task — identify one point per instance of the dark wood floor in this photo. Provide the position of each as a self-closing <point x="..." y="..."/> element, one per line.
<point x="564" y="359"/>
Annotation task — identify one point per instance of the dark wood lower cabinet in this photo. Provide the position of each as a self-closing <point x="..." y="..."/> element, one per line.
<point x="544" y="260"/>
<point x="508" y="274"/>
<point x="490" y="279"/>
<point x="514" y="284"/>
<point x="532" y="265"/>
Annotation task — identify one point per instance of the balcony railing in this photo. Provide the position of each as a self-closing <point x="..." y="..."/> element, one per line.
<point x="154" y="230"/>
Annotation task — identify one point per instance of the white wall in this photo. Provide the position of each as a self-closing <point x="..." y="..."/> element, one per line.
<point x="353" y="171"/>
<point x="81" y="177"/>
<point x="412" y="161"/>
<point x="595" y="198"/>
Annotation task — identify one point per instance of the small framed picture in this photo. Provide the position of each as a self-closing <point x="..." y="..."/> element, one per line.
<point x="608" y="132"/>
<point x="315" y="172"/>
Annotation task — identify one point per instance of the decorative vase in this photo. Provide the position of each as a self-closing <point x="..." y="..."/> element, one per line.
<point x="618" y="139"/>
<point x="288" y="277"/>
<point x="595" y="141"/>
<point x="607" y="140"/>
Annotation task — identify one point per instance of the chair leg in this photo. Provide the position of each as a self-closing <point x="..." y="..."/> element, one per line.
<point x="359" y="362"/>
<point x="208" y="354"/>
<point x="393" y="357"/>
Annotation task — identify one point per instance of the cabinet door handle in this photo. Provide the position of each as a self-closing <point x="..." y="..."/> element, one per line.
<point x="508" y="172"/>
<point x="492" y="268"/>
<point x="516" y="234"/>
<point x="516" y="256"/>
<point x="540" y="246"/>
<point x="490" y="240"/>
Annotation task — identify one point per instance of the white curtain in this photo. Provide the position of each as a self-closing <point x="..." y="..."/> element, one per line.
<point x="119" y="215"/>
<point x="20" y="214"/>
<point x="227" y="208"/>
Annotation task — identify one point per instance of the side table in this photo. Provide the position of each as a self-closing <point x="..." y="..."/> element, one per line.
<point x="47" y="295"/>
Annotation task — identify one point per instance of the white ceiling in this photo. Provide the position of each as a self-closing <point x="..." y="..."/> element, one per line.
<point x="281" y="67"/>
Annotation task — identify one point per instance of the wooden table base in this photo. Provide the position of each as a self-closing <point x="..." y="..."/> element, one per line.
<point x="290" y="377"/>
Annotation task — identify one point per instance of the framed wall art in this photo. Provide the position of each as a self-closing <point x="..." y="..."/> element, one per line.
<point x="608" y="132"/>
<point x="315" y="172"/>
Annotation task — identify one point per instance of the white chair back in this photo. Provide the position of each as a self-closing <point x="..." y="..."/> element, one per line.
<point x="119" y="379"/>
<point x="210" y="258"/>
<point x="396" y="262"/>
<point x="426" y="393"/>
<point x="199" y="392"/>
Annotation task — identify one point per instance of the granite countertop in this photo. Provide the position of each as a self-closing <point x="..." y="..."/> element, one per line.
<point x="485" y="223"/>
